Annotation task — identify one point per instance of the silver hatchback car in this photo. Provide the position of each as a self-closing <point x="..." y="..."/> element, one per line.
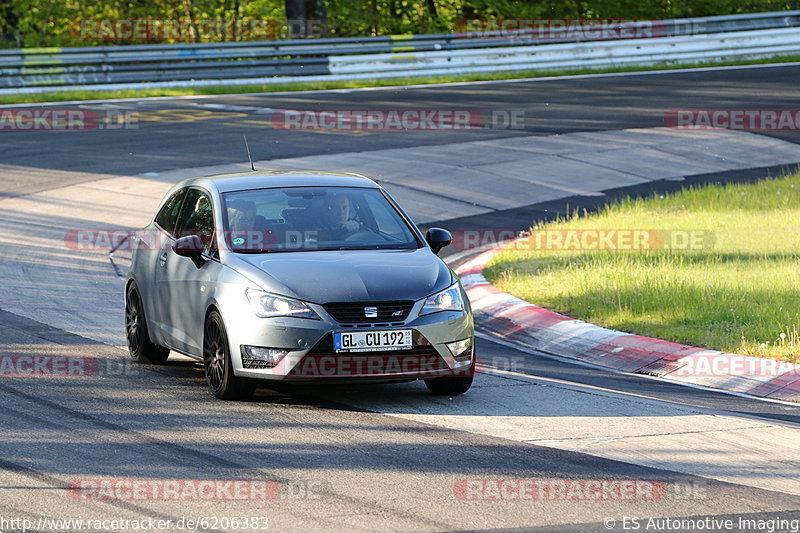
<point x="296" y="276"/>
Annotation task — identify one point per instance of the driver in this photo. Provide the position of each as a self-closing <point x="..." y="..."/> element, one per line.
<point x="242" y="215"/>
<point x="241" y="225"/>
<point x="335" y="224"/>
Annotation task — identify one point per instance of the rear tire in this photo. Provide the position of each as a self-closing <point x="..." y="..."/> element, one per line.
<point x="222" y="382"/>
<point x="141" y="348"/>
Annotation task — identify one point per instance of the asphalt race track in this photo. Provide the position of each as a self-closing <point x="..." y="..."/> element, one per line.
<point x="367" y="458"/>
<point x="171" y="137"/>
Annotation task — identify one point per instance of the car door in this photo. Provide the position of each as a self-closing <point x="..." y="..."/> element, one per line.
<point x="182" y="286"/>
<point x="151" y="245"/>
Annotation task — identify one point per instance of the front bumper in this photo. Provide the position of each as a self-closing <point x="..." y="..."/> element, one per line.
<point x="311" y="356"/>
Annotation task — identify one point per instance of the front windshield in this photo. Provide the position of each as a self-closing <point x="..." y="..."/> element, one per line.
<point x="313" y="218"/>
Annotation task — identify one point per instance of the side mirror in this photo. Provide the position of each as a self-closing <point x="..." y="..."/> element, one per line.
<point x="192" y="247"/>
<point x="438" y="238"/>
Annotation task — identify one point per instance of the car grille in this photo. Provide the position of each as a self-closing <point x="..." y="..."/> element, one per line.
<point x="353" y="313"/>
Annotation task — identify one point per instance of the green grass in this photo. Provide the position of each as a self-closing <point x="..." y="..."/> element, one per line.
<point x="740" y="295"/>
<point x="382" y="82"/>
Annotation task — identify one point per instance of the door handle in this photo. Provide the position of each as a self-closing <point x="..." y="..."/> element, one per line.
<point x="163" y="258"/>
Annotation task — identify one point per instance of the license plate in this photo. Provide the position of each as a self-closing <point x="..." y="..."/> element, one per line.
<point x="372" y="341"/>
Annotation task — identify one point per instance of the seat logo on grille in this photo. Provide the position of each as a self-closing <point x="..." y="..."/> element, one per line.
<point x="371" y="312"/>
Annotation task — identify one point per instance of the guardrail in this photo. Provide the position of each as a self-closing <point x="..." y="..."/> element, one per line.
<point x="116" y="67"/>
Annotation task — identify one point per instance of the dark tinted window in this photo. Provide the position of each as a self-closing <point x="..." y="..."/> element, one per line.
<point x="197" y="218"/>
<point x="168" y="215"/>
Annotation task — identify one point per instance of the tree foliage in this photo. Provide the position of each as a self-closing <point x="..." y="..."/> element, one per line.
<point x="34" y="23"/>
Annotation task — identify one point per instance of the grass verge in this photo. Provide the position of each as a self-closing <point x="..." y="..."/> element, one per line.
<point x="64" y="96"/>
<point x="735" y="288"/>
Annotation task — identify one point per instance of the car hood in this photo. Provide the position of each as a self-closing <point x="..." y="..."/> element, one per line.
<point x="350" y="275"/>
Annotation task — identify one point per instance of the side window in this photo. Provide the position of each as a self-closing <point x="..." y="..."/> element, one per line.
<point x="168" y="215"/>
<point x="197" y="218"/>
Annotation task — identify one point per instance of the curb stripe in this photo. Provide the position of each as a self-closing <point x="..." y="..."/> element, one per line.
<point x="547" y="331"/>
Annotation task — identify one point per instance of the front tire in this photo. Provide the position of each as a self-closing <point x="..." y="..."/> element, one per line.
<point x="448" y="386"/>
<point x="217" y="362"/>
<point x="141" y="348"/>
<point x="451" y="385"/>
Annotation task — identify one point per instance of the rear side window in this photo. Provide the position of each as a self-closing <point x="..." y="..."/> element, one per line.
<point x="168" y="216"/>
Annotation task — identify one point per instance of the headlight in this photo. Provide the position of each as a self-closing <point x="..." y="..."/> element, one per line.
<point x="446" y="300"/>
<point x="266" y="305"/>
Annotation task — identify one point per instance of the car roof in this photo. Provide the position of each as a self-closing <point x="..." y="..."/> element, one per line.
<point x="261" y="179"/>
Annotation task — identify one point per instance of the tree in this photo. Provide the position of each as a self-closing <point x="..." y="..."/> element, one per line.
<point x="8" y="23"/>
<point x="303" y="16"/>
